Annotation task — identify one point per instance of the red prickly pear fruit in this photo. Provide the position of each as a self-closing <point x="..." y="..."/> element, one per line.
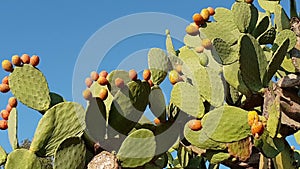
<point x="195" y="125"/>
<point x="4" y="114"/>
<point x="103" y="94"/>
<point x="103" y="73"/>
<point x="119" y="82"/>
<point x="3" y="125"/>
<point x="5" y="80"/>
<point x="198" y="19"/>
<point x="25" y="58"/>
<point x="192" y="30"/>
<point x="34" y="60"/>
<point x="8" y="108"/>
<point x="102" y="81"/>
<point x="16" y="60"/>
<point x="88" y="82"/>
<point x="147" y="74"/>
<point x="7" y="66"/>
<point x="156" y="121"/>
<point x="4" y="88"/>
<point x="13" y="102"/>
<point x="133" y="75"/>
<point x="205" y="14"/>
<point x="257" y="128"/>
<point x="87" y="94"/>
<point x="249" y="1"/>
<point x="94" y="75"/>
<point x="150" y="83"/>
<point x="211" y="11"/>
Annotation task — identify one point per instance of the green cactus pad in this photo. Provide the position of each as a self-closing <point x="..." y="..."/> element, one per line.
<point x="192" y="41"/>
<point x="297" y="137"/>
<point x="253" y="62"/>
<point x="30" y="87"/>
<point x="276" y="61"/>
<point x="95" y="119"/>
<point x="169" y="43"/>
<point x="183" y="155"/>
<point x="123" y="116"/>
<point x="95" y="89"/>
<point x="216" y="157"/>
<point x="225" y="52"/>
<point x="187" y="98"/>
<point x="241" y="149"/>
<point x="271" y="147"/>
<point x="139" y="94"/>
<point x="262" y="26"/>
<point x="287" y="64"/>
<point x="285" y="159"/>
<point x="216" y="30"/>
<point x="190" y="61"/>
<point x="158" y="63"/>
<point x="112" y="77"/>
<point x="157" y="102"/>
<point x="13" y="128"/>
<point x="70" y="154"/>
<point x="55" y="99"/>
<point x="137" y="149"/>
<point x="3" y="156"/>
<point x="273" y="110"/>
<point x="231" y="119"/>
<point x="281" y="19"/>
<point x="200" y="139"/>
<point x="245" y="16"/>
<point x="22" y="158"/>
<point x="268" y="5"/>
<point x="64" y="120"/>
<point x="223" y="15"/>
<point x="267" y="37"/>
<point x="233" y="77"/>
<point x="282" y="36"/>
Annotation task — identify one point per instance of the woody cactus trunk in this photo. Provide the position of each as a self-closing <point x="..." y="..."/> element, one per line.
<point x="235" y="99"/>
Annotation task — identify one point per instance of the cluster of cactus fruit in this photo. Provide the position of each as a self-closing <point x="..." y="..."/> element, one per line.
<point x="234" y="100"/>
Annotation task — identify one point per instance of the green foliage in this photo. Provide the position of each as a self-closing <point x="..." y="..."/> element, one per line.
<point x="22" y="158"/>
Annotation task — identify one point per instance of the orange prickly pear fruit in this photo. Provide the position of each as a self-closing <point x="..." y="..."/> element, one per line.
<point x="3" y="125"/>
<point x="16" y="60"/>
<point x="174" y="77"/>
<point x="211" y="11"/>
<point x="205" y="14"/>
<point x="103" y="73"/>
<point x="4" y="88"/>
<point x="5" y="80"/>
<point x="94" y="75"/>
<point x="88" y="82"/>
<point x="206" y="43"/>
<point x="257" y="129"/>
<point x="102" y="81"/>
<point x="195" y="124"/>
<point x="13" y="102"/>
<point x="119" y="82"/>
<point x="198" y="19"/>
<point x="103" y="94"/>
<point x="192" y="30"/>
<point x="252" y="117"/>
<point x="25" y="58"/>
<point x="4" y="114"/>
<point x="34" y="60"/>
<point x="87" y="94"/>
<point x="156" y="121"/>
<point x="132" y="74"/>
<point x="7" y="66"/>
<point x="146" y="74"/>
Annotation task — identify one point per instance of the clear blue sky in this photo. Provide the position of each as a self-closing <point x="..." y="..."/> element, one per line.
<point x="58" y="30"/>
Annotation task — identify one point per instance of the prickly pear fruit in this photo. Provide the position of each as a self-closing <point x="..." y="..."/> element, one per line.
<point x="203" y="59"/>
<point x="205" y="14"/>
<point x="198" y="19"/>
<point x="102" y="81"/>
<point x="4" y="114"/>
<point x="8" y="108"/>
<point x="211" y="11"/>
<point x="252" y="117"/>
<point x="5" y="80"/>
<point x="34" y="60"/>
<point x="192" y="30"/>
<point x="25" y="58"/>
<point x="257" y="129"/>
<point x="199" y="49"/>
<point x="103" y="73"/>
<point x="150" y="83"/>
<point x="249" y="1"/>
<point x="103" y="94"/>
<point x="174" y="77"/>
<point x="132" y="75"/>
<point x="156" y="121"/>
<point x="16" y="60"/>
<point x="146" y="74"/>
<point x="13" y="102"/>
<point x="88" y="82"/>
<point x="4" y="88"/>
<point x="7" y="66"/>
<point x="195" y="124"/>
<point x="94" y="75"/>
<point x="119" y="82"/>
<point x="206" y="43"/>
<point x="87" y="94"/>
<point x="3" y="125"/>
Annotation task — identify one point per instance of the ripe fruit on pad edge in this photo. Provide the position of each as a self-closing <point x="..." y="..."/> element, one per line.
<point x="102" y="81"/>
<point x="103" y="94"/>
<point x="146" y="74"/>
<point x="7" y="65"/>
<point x="205" y="14"/>
<point x="132" y="74"/>
<point x="195" y="124"/>
<point x="119" y="82"/>
<point x="103" y="73"/>
<point x="4" y="114"/>
<point x="16" y="60"/>
<point x="252" y="117"/>
<point x="13" y="102"/>
<point x="34" y="60"/>
<point x="94" y="75"/>
<point x="88" y="82"/>
<point x="25" y="58"/>
<point x="87" y="94"/>
<point x="192" y="30"/>
<point x="257" y="128"/>
<point x="156" y="121"/>
<point x="4" y="88"/>
<point x="3" y="125"/>
<point x="174" y="77"/>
